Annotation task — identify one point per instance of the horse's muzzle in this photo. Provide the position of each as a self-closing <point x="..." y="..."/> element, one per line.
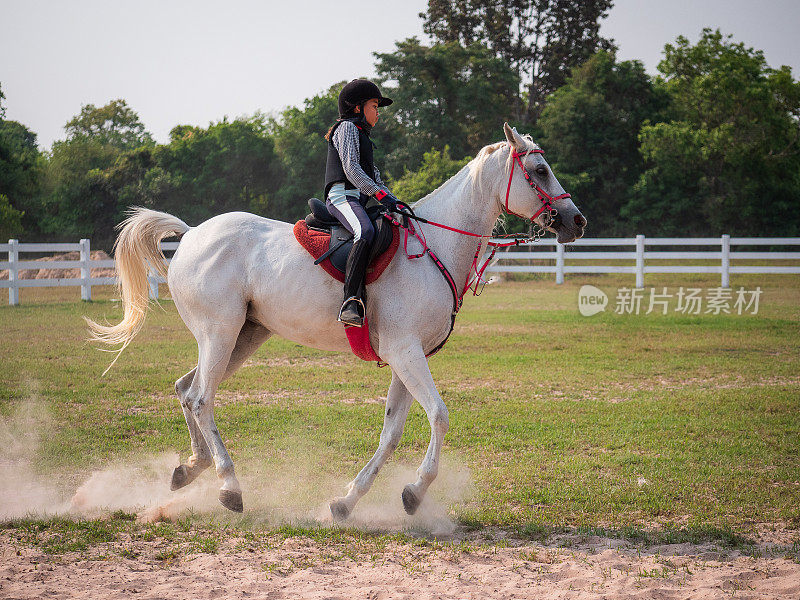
<point x="568" y="228"/>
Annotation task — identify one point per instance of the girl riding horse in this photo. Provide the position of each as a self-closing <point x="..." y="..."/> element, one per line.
<point x="351" y="180"/>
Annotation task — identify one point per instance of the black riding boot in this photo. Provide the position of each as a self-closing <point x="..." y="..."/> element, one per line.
<point x="353" y="310"/>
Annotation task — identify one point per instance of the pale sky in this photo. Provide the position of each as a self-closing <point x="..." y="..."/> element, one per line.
<point x="193" y="62"/>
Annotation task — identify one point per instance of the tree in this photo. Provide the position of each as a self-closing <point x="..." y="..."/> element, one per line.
<point x="590" y="129"/>
<point x="302" y="150"/>
<point x="446" y="94"/>
<point x="437" y="167"/>
<point x="10" y="220"/>
<point x="201" y="172"/>
<point x="729" y="161"/>
<point x="77" y="200"/>
<point x="541" y="40"/>
<point x="21" y="166"/>
<point x="114" y="124"/>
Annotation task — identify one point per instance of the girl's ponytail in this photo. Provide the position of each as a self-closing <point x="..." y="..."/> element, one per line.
<point x="328" y="135"/>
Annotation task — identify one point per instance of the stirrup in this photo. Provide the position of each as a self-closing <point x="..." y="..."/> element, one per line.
<point x="363" y="310"/>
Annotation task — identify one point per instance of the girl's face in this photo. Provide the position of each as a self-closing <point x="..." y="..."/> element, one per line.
<point x="371" y="111"/>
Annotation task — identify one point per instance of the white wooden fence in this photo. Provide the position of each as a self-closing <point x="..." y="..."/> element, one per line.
<point x="639" y="256"/>
<point x="525" y="254"/>
<point x="14" y="265"/>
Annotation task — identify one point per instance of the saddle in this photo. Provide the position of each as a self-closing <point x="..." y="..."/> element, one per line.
<point x="324" y="237"/>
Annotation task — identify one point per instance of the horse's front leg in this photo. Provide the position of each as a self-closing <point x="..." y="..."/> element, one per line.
<point x="398" y="402"/>
<point x="411" y="366"/>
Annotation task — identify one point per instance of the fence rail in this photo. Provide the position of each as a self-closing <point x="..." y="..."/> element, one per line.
<point x="85" y="263"/>
<point x="640" y="255"/>
<point x="638" y="258"/>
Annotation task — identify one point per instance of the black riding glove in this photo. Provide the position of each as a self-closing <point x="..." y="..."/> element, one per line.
<point x="387" y="199"/>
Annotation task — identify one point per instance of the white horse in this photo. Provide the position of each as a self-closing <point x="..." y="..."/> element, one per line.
<point x="238" y="279"/>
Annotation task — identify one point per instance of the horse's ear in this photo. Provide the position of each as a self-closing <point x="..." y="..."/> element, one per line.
<point x="514" y="138"/>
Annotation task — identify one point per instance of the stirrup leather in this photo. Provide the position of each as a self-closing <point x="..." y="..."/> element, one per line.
<point x="345" y="303"/>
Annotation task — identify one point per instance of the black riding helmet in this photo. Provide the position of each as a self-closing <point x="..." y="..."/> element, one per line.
<point x="356" y="93"/>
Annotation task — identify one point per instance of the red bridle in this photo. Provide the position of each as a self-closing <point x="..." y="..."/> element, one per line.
<point x="547" y="200"/>
<point x="474" y="282"/>
<point x="543" y="196"/>
<point x="547" y="205"/>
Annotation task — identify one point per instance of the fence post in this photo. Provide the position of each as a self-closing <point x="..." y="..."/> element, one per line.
<point x="726" y="261"/>
<point x="13" y="272"/>
<point x="559" y="263"/>
<point x="640" y="261"/>
<point x="151" y="278"/>
<point x="86" y="272"/>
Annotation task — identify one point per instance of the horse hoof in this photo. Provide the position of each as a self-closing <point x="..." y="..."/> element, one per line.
<point x="339" y="511"/>
<point x="410" y="500"/>
<point x="180" y="478"/>
<point x="231" y="500"/>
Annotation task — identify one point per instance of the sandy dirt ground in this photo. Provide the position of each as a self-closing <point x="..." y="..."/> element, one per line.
<point x="244" y="563"/>
<point x="298" y="567"/>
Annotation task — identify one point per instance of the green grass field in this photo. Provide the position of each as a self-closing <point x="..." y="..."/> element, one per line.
<point x="614" y="421"/>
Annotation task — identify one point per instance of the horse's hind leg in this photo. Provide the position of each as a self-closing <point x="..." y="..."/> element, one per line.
<point x="215" y="351"/>
<point x="398" y="402"/>
<point x="218" y="358"/>
<point x="200" y="459"/>
<point x="250" y="338"/>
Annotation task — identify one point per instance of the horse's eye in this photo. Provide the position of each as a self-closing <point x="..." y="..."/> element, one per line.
<point x="541" y="171"/>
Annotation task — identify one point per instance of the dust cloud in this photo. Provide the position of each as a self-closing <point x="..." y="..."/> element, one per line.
<point x="22" y="490"/>
<point x="292" y="490"/>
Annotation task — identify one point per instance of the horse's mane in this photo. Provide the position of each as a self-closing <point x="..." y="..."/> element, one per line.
<point x="475" y="166"/>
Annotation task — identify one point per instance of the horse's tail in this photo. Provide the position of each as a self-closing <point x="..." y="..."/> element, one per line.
<point x="137" y="246"/>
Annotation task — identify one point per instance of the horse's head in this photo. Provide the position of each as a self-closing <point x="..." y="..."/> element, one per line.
<point x="522" y="198"/>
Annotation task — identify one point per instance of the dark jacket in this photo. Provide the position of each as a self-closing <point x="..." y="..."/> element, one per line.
<point x="334" y="171"/>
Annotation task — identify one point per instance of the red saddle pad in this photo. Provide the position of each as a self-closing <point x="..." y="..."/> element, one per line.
<point x="318" y="242"/>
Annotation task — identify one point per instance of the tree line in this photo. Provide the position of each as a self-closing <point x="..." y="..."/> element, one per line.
<point x="709" y="145"/>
